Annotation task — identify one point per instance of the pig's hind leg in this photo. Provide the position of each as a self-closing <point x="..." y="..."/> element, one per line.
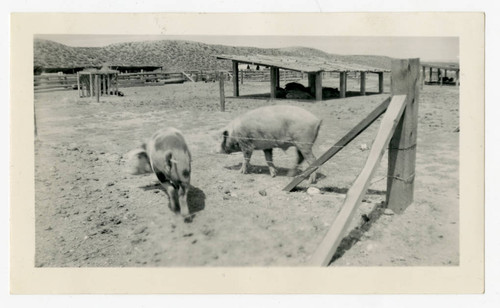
<point x="300" y="159"/>
<point x="307" y="154"/>
<point x="268" y="153"/>
<point x="183" y="192"/>
<point x="173" y="198"/>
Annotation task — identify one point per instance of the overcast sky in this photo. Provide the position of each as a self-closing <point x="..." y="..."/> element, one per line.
<point x="425" y="48"/>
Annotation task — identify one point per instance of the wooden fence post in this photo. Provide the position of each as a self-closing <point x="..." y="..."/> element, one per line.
<point x="402" y="148"/>
<point x="343" y="83"/>
<point x="326" y="249"/>
<point x="222" y="95"/>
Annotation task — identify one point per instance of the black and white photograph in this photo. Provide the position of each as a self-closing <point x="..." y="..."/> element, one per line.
<point x="181" y="152"/>
<point x="255" y="151"/>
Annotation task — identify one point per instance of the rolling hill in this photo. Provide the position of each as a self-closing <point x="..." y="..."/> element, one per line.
<point x="172" y="55"/>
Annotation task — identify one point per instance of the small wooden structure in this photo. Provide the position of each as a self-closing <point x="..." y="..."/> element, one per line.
<point x="313" y="67"/>
<point x="93" y="82"/>
<point x="439" y="73"/>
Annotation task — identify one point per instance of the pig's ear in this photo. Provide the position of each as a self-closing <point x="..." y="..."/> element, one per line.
<point x="225" y="134"/>
<point x="168" y="159"/>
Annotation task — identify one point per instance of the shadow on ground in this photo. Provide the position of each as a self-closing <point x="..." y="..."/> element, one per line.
<point x="195" y="197"/>
<point x="261" y="169"/>
<point x="340" y="190"/>
<point x="355" y="235"/>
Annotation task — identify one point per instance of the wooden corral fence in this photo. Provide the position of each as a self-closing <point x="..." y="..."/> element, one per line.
<point x="265" y="75"/>
<point x="54" y="82"/>
<point x="57" y="82"/>
<point x="398" y="131"/>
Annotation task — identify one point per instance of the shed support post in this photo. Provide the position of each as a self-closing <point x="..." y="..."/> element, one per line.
<point x="97" y="86"/>
<point x="103" y="83"/>
<point x="362" y="81"/>
<point x="319" y="86"/>
<point x="78" y="83"/>
<point x="116" y="83"/>
<point x="221" y="89"/>
<point x="91" y="82"/>
<point x="108" y="84"/>
<point x="457" y="78"/>
<point x="274" y="81"/>
<point x="403" y="145"/>
<point x="236" y="89"/>
<point x="422" y="78"/>
<point x="277" y="77"/>
<point x="343" y="84"/>
<point x="381" y="82"/>
<point x="87" y="86"/>
<point x="311" y="83"/>
<point x="440" y="79"/>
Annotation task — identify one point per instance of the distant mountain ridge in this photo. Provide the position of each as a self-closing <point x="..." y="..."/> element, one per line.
<point x="172" y="55"/>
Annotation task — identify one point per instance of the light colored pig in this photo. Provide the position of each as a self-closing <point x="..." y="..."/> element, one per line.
<point x="269" y="127"/>
<point x="167" y="155"/>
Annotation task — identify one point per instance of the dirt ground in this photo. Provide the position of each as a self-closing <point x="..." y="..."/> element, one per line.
<point x="90" y="213"/>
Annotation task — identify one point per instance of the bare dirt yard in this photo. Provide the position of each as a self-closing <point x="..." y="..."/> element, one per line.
<point x="90" y="213"/>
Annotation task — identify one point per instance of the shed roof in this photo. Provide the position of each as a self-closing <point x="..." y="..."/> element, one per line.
<point x="302" y="64"/>
<point x="100" y="71"/>
<point x="442" y="65"/>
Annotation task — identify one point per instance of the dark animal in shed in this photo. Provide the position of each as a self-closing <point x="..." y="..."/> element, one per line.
<point x="119" y="93"/>
<point x="298" y="94"/>
<point x="295" y="86"/>
<point x="280" y="92"/>
<point x="330" y="92"/>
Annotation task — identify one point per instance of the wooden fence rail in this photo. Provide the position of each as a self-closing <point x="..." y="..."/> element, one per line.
<point x="68" y="82"/>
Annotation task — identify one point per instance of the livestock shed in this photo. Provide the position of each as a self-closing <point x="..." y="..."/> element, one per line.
<point x="313" y="67"/>
<point x="442" y="73"/>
